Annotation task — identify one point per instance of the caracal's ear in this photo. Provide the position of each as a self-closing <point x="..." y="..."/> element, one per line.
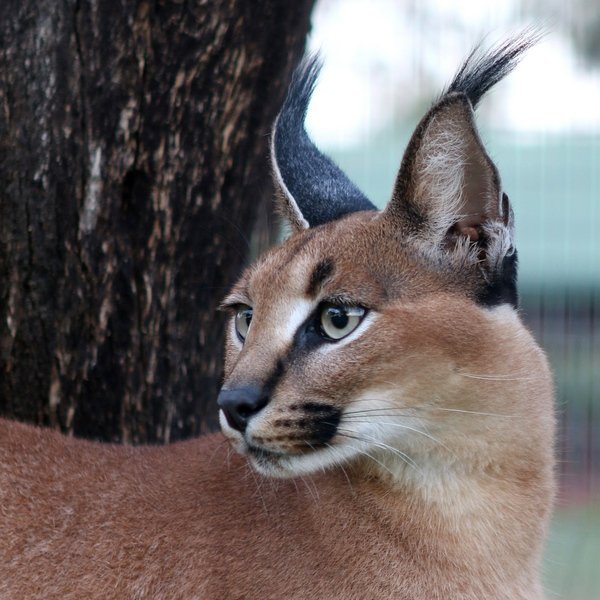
<point x="448" y="193"/>
<point x="311" y="188"/>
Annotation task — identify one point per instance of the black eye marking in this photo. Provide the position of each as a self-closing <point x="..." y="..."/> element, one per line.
<point x="323" y="271"/>
<point x="275" y="375"/>
<point x="307" y="337"/>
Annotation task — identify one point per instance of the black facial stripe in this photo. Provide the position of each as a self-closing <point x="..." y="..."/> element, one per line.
<point x="294" y="350"/>
<point x="316" y="408"/>
<point x="322" y="420"/>
<point x="273" y="379"/>
<point x="324" y="427"/>
<point x="306" y="339"/>
<point x="307" y="336"/>
<point x="323" y="271"/>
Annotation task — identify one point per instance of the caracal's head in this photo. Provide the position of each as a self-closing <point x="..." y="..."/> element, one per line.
<point x="380" y="338"/>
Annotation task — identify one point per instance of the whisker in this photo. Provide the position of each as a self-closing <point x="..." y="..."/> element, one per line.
<point x="474" y="412"/>
<point x="421" y="408"/>
<point x="341" y="466"/>
<point x="218" y="448"/>
<point x="382" y="445"/>
<point x="355" y="420"/>
<point x="362" y="451"/>
<point x="229" y="457"/>
<point x="365" y="453"/>
<point x="314" y="492"/>
<point x="310" y="492"/>
<point x="258" y="489"/>
<point x="368" y="410"/>
<point x="402" y="426"/>
<point x="498" y="377"/>
<point x="296" y="485"/>
<point x="481" y="376"/>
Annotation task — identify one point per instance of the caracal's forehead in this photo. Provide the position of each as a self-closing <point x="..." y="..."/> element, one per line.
<point x="355" y="258"/>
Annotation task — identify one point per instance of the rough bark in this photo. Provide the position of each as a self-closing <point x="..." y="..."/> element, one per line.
<point x="132" y="164"/>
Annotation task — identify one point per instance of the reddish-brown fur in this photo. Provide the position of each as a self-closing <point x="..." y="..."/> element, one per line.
<point x="83" y="520"/>
<point x="435" y="482"/>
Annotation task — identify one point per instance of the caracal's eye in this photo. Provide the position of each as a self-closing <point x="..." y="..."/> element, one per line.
<point x="338" y="321"/>
<point x="243" y="317"/>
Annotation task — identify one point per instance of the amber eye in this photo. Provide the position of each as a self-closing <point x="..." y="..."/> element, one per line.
<point x="243" y="317"/>
<point x="338" y="321"/>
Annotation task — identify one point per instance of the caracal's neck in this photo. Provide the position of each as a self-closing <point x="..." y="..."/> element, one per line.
<point x="484" y="521"/>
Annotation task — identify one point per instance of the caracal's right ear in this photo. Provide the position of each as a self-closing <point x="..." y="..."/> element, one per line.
<point x="448" y="196"/>
<point x="311" y="188"/>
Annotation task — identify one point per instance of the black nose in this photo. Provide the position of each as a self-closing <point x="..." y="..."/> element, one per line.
<point x="239" y="404"/>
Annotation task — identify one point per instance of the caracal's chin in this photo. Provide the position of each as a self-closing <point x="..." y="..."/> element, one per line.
<point x="281" y="464"/>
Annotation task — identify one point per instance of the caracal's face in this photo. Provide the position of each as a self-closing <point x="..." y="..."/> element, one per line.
<point x="341" y="340"/>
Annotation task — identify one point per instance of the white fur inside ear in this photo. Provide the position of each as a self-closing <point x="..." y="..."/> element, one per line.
<point x="441" y="164"/>
<point x="290" y="208"/>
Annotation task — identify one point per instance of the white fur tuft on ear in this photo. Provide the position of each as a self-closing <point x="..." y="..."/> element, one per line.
<point x="500" y="244"/>
<point x="440" y="176"/>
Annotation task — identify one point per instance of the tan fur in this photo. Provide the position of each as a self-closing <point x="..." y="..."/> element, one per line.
<point x="411" y="459"/>
<point x="82" y="520"/>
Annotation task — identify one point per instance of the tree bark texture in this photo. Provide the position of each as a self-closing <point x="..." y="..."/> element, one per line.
<point x="133" y="161"/>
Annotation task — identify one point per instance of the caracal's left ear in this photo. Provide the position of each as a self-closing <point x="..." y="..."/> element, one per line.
<point x="448" y="195"/>
<point x="311" y="189"/>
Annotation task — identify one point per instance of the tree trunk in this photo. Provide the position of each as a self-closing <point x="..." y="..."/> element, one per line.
<point x="133" y="161"/>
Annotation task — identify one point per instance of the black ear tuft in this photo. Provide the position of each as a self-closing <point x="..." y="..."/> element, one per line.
<point x="312" y="188"/>
<point x="482" y="70"/>
<point x="448" y="195"/>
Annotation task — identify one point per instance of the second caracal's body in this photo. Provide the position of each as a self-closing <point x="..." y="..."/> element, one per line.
<point x="392" y="416"/>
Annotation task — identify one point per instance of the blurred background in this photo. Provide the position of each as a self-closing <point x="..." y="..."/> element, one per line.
<point x="385" y="62"/>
